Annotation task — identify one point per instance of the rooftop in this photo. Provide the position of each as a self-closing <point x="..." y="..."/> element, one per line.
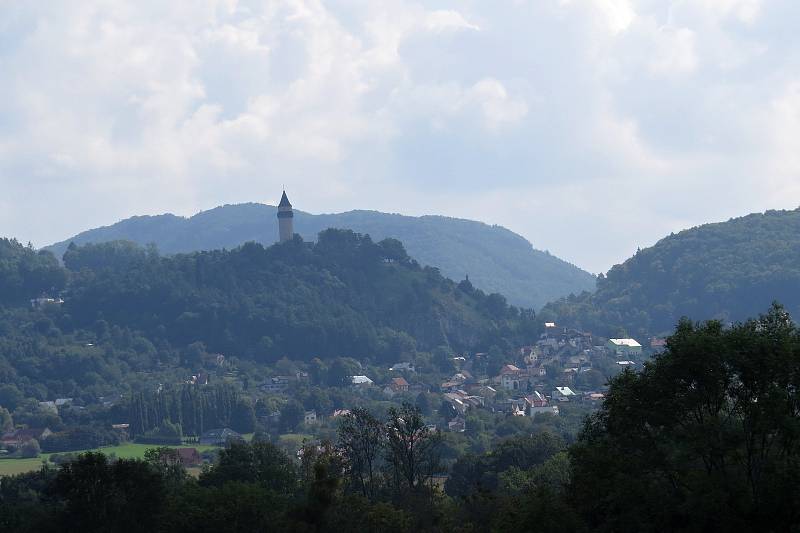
<point x="625" y="342"/>
<point x="509" y="369"/>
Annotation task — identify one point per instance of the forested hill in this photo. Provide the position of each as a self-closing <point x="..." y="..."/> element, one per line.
<point x="729" y="270"/>
<point x="343" y="296"/>
<point x="26" y="273"/>
<point x="494" y="258"/>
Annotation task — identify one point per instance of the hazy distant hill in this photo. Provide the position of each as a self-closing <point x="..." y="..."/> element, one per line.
<point x="496" y="259"/>
<point x="729" y="270"/>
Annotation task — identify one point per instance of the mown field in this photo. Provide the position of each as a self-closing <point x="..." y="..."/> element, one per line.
<point x="9" y="467"/>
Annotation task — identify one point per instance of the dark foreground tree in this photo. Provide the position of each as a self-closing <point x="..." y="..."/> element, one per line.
<point x="706" y="437"/>
<point x="260" y="463"/>
<point x="97" y="495"/>
<point x="361" y="438"/>
<point x="412" y="449"/>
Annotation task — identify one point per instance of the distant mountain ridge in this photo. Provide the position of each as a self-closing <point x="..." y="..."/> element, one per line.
<point x="727" y="270"/>
<point x="495" y="258"/>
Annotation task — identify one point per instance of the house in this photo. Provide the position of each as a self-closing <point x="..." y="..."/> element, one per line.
<point x="109" y="401"/>
<point x="219" y="437"/>
<point x="396" y="386"/>
<point x="310" y="417"/>
<point x="38" y="303"/>
<point x="460" y="377"/>
<point x="201" y="378"/>
<point x="450" y="385"/>
<point x="530" y="354"/>
<point x="53" y="406"/>
<point x="340" y="412"/>
<point x="456" y="400"/>
<point x="625" y="348"/>
<point x="537" y="371"/>
<point x="360" y="381"/>
<point x="402" y="366"/>
<point x="516" y="406"/>
<point x="275" y="385"/>
<point x="537" y="399"/>
<point x="478" y="389"/>
<point x="458" y="424"/>
<point x="18" y="437"/>
<point x="189" y="456"/>
<point x="513" y="378"/>
<point x="563" y="394"/>
<point x="658" y="345"/>
<point x="538" y="404"/>
<point x="594" y="397"/>
<point x="462" y="401"/>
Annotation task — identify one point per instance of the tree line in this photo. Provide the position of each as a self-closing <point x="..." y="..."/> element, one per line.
<point x="192" y="409"/>
<point x="727" y="271"/>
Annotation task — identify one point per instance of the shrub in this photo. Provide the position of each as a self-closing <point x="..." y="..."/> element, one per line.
<point x="30" y="449"/>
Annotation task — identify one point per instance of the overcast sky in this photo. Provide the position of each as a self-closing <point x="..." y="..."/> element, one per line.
<point x="590" y="127"/>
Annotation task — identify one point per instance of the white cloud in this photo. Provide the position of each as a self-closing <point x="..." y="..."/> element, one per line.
<point x="674" y="51"/>
<point x="619" y="13"/>
<point x="442" y="20"/>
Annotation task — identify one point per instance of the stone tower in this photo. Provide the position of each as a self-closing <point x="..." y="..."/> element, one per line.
<point x="285" y="222"/>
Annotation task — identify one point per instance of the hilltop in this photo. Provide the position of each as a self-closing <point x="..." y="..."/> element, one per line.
<point x="728" y="271"/>
<point x="494" y="258"/>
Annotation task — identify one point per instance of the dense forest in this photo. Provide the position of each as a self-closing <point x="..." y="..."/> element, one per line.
<point x="132" y="319"/>
<point x="703" y="439"/>
<point x="494" y="258"/>
<point x="343" y="295"/>
<point x="26" y="273"/>
<point x="727" y="271"/>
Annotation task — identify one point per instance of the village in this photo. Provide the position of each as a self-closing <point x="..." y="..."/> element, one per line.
<point x="564" y="366"/>
<point x="564" y="369"/>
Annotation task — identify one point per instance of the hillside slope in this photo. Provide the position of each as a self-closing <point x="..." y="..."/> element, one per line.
<point x="729" y="270"/>
<point x="494" y="258"/>
<point x="345" y="295"/>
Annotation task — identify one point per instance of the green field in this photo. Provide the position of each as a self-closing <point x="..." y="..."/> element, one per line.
<point x="9" y="467"/>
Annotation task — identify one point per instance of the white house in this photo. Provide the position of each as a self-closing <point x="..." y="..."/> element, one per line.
<point x="310" y="417"/>
<point x="627" y="348"/>
<point x="38" y="303"/>
<point x="360" y="381"/>
<point x="563" y="394"/>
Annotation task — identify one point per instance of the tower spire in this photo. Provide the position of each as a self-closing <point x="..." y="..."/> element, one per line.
<point x="284" y="200"/>
<point x="285" y="219"/>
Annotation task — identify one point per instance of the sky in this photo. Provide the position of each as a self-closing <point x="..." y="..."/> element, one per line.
<point x="590" y="127"/>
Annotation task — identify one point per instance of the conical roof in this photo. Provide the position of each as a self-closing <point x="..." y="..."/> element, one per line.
<point x="284" y="201"/>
